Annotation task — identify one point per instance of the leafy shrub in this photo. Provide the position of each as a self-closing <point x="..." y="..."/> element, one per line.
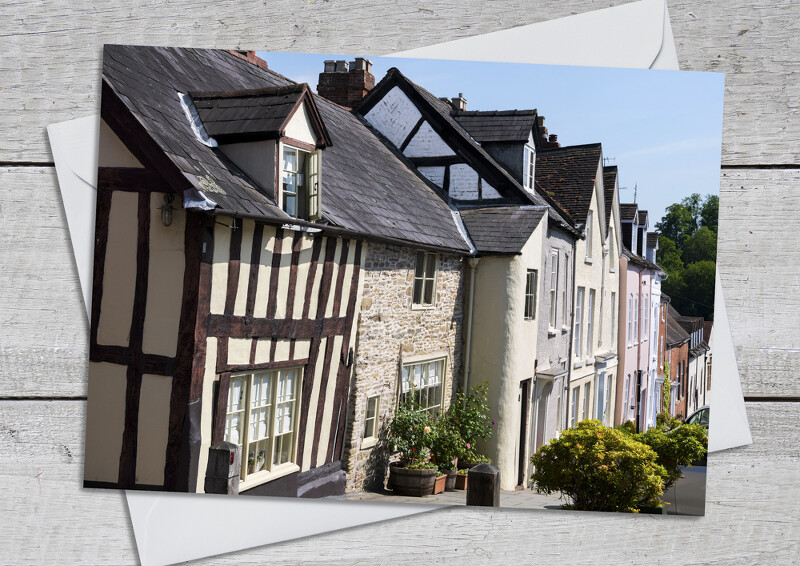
<point x="676" y="447"/>
<point x="446" y="443"/>
<point x="469" y="413"/>
<point x="411" y="433"/>
<point x="599" y="469"/>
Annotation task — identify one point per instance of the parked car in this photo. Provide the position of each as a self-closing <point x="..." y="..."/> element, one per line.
<point x="700" y="416"/>
<point x="687" y="496"/>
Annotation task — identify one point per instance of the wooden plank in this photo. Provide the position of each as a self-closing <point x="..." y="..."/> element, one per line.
<point x="753" y="44"/>
<point x="53" y="520"/>
<point x="759" y="261"/>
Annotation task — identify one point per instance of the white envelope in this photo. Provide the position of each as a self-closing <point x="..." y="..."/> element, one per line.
<point x="172" y="527"/>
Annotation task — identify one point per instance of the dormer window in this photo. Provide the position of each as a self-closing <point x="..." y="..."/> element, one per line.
<point x="529" y="167"/>
<point x="276" y="136"/>
<point x="300" y="186"/>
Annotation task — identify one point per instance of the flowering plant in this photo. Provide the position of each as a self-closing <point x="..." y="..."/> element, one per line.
<point x="412" y="433"/>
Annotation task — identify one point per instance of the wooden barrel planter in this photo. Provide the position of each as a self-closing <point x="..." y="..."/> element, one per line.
<point x="450" y="482"/>
<point x="416" y="483"/>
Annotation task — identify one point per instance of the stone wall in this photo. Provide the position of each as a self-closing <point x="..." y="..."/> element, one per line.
<point x="389" y="331"/>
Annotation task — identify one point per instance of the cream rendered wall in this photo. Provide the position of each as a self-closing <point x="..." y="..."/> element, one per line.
<point x="589" y="275"/>
<point x="164" y="279"/>
<point x="105" y="421"/>
<point x="256" y="158"/>
<point x="112" y="152"/>
<point x="151" y="445"/>
<point x="119" y="275"/>
<point x="299" y="127"/>
<point x="504" y="347"/>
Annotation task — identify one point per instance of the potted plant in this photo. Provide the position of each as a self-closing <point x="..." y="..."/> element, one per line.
<point x="410" y="434"/>
<point x="446" y="445"/>
<point x="251" y="462"/>
<point x="439" y="484"/>
<point x="260" y="460"/>
<point x="461" y="478"/>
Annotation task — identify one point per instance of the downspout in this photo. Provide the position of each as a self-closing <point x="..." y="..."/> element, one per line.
<point x="568" y="412"/>
<point x="473" y="267"/>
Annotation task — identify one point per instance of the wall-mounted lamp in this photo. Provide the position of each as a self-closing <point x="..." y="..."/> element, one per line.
<point x="167" y="208"/>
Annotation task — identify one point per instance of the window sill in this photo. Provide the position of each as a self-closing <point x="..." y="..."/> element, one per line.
<point x="564" y="329"/>
<point x="368" y="442"/>
<point x="612" y="270"/>
<point x="578" y="364"/>
<point x="588" y="260"/>
<point x="261" y="477"/>
<point x="418" y="307"/>
<point x="551" y="332"/>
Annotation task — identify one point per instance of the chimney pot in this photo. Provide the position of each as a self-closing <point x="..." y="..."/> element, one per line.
<point x="553" y="138"/>
<point x="346" y="83"/>
<point x="459" y="102"/>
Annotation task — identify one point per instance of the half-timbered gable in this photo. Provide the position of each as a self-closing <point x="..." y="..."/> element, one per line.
<point x="426" y="131"/>
<point x="220" y="312"/>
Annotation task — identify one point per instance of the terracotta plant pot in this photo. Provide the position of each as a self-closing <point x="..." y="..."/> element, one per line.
<point x="415" y="483"/>
<point x="450" y="484"/>
<point x="438" y="485"/>
<point x="461" y="481"/>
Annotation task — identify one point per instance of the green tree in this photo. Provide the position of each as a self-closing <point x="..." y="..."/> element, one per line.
<point x="699" y="280"/>
<point x="709" y="213"/>
<point x="701" y="246"/>
<point x="668" y="255"/>
<point x="678" y="224"/>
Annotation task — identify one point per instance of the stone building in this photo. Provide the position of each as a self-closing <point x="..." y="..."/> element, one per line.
<point x="483" y="162"/>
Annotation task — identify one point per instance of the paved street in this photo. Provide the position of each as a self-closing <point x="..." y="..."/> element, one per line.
<point x="524" y="499"/>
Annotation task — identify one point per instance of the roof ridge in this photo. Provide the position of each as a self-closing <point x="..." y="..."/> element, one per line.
<point x="250" y="92"/>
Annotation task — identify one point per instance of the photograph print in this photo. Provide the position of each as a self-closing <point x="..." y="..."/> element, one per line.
<point x="379" y="279"/>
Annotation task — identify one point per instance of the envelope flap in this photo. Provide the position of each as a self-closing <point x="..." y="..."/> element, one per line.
<point x="624" y="36"/>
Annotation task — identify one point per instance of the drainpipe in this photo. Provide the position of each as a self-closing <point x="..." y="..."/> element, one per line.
<point x="568" y="412"/>
<point x="473" y="267"/>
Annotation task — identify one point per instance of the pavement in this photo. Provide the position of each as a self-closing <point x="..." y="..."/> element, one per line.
<point x="522" y="499"/>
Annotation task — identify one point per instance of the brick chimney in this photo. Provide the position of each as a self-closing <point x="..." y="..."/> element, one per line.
<point x="346" y="83"/>
<point x="250" y="57"/>
<point x="547" y="141"/>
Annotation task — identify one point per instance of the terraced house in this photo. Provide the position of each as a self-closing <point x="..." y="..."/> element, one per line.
<point x="484" y="163"/>
<point x="574" y="176"/>
<point x="244" y="227"/>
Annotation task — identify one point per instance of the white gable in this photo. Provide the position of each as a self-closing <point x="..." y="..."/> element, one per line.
<point x="427" y="143"/>
<point x="394" y="116"/>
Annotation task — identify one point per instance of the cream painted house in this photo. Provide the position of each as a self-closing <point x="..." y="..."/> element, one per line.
<point x="574" y="177"/>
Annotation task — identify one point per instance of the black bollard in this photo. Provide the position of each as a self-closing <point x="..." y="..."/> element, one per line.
<point x="483" y="486"/>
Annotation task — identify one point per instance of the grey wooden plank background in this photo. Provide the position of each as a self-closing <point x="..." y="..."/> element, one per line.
<point x="49" y="71"/>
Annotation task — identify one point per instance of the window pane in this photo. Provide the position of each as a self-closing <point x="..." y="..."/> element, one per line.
<point x="428" y="292"/>
<point x="430" y="269"/>
<point x="290" y="159"/>
<point x="417" y="291"/>
<point x="420" y="264"/>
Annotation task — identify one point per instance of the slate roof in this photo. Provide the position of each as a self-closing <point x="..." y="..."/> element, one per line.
<point x="640" y="261"/>
<point x="502" y="229"/>
<point x="675" y="332"/>
<point x="366" y="188"/>
<point x="497" y="125"/>
<point x="627" y="211"/>
<point x="652" y="239"/>
<point x="568" y="174"/>
<point x="609" y="182"/>
<point x="252" y="114"/>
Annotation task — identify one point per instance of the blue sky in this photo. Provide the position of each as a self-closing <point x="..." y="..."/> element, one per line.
<point x="663" y="129"/>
